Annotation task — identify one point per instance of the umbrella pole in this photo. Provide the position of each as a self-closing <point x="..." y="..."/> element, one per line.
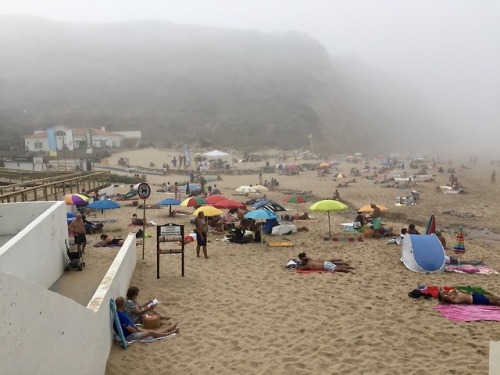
<point x="169" y="210"/>
<point x="329" y="225"/>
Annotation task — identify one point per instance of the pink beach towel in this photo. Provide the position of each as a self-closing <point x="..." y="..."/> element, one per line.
<point x="469" y="313"/>
<point x="467" y="268"/>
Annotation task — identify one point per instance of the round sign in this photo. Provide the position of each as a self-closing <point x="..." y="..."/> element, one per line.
<point x="144" y="190"/>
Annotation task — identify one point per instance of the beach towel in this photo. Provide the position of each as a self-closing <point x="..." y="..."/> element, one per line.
<point x="468" y="268"/>
<point x="101" y="244"/>
<point x="307" y="220"/>
<point x="469" y="313"/>
<point x="280" y="244"/>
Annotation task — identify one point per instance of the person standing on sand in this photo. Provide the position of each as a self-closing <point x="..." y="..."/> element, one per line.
<point x="77" y="226"/>
<point x="493" y="177"/>
<point x="201" y="234"/>
<point x="176" y="191"/>
<point x="376" y="219"/>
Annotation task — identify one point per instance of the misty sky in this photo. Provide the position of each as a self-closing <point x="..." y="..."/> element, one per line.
<point x="448" y="49"/>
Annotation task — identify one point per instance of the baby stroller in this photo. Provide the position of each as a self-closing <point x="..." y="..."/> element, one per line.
<point x="75" y="258"/>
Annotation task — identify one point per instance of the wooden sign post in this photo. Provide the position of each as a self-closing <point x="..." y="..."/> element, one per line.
<point x="173" y="233"/>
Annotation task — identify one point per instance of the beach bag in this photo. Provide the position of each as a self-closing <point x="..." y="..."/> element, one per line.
<point x="151" y="321"/>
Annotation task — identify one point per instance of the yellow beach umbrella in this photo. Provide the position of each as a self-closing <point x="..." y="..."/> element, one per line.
<point x="368" y="208"/>
<point x="208" y="211"/>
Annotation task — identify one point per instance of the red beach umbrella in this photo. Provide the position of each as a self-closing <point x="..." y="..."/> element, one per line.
<point x="228" y="203"/>
<point x="212" y="199"/>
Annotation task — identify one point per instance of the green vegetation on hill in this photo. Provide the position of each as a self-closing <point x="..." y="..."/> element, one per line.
<point x="176" y="83"/>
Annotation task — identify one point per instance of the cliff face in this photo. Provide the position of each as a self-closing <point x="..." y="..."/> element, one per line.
<point x="187" y="84"/>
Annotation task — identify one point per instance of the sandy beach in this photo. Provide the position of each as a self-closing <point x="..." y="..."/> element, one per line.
<point x="242" y="312"/>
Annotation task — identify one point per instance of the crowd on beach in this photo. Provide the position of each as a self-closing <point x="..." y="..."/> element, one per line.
<point x="233" y="226"/>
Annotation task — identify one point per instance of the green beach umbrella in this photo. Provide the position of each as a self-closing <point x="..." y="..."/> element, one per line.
<point x="328" y="205"/>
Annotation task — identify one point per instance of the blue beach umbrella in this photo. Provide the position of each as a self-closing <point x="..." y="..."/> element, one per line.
<point x="169" y="202"/>
<point x="104" y="204"/>
<point x="261" y="214"/>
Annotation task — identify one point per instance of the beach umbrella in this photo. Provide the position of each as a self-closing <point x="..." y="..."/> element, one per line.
<point x="368" y="208"/>
<point x="459" y="247"/>
<point x="104" y="204"/>
<point x="328" y="205"/>
<point x="215" y="198"/>
<point x="259" y="204"/>
<point x="350" y="157"/>
<point x="269" y="205"/>
<point x="340" y="175"/>
<point x="324" y="165"/>
<point x="208" y="211"/>
<point x="261" y="214"/>
<point x="431" y="225"/>
<point x="260" y="188"/>
<point x="295" y="199"/>
<point x="358" y="154"/>
<point x="245" y="189"/>
<point x="193" y="202"/>
<point x="334" y="162"/>
<point x="229" y="203"/>
<point x="76" y="199"/>
<point x="169" y="202"/>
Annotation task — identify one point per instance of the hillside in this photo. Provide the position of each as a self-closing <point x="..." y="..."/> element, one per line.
<point x="191" y="84"/>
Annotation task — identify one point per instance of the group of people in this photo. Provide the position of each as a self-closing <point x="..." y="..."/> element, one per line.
<point x="131" y="313"/>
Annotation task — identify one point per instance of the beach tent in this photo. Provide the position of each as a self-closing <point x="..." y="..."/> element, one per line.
<point x="216" y="154"/>
<point x="423" y="253"/>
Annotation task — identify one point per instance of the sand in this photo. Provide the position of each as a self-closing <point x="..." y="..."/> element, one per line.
<point x="242" y="312"/>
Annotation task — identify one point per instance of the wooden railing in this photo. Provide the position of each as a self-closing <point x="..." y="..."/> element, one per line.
<point x="54" y="188"/>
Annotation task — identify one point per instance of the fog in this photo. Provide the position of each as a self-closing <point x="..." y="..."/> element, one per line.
<point x="447" y="50"/>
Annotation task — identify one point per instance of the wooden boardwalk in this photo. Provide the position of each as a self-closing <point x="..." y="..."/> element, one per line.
<point x="43" y="186"/>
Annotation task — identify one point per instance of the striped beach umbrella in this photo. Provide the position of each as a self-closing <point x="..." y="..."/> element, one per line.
<point x="76" y="199"/>
<point x="459" y="247"/>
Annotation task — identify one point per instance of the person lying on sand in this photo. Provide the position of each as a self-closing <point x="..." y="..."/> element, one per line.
<point x="335" y="261"/>
<point x="132" y="332"/>
<point x="108" y="240"/>
<point x="308" y="264"/>
<point x="456" y="297"/>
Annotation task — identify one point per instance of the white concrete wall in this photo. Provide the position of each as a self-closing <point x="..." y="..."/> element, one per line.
<point x="43" y="332"/>
<point x="36" y="252"/>
<point x="494" y="357"/>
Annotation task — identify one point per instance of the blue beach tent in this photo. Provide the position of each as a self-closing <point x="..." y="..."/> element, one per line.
<point x="423" y="253"/>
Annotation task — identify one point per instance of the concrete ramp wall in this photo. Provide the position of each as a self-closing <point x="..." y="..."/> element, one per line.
<point x="44" y="332"/>
<point x="36" y="252"/>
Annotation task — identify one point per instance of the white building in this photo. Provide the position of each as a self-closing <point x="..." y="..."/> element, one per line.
<point x="74" y="138"/>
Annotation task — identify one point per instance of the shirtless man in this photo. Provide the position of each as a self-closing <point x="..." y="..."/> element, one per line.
<point x="201" y="234"/>
<point x="309" y="264"/>
<point x="77" y="226"/>
<point x="456" y="297"/>
<point x="108" y="240"/>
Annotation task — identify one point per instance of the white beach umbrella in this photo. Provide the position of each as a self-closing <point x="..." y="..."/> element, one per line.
<point x="245" y="189"/>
